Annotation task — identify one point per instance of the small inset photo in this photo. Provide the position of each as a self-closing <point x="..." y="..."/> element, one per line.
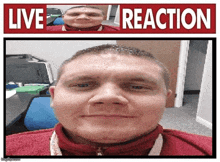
<point x="83" y="18"/>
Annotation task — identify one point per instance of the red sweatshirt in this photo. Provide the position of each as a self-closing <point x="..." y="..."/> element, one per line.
<point x="104" y="28"/>
<point x="175" y="143"/>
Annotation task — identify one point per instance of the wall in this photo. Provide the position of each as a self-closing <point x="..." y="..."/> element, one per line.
<point x="54" y="51"/>
<point x="204" y="112"/>
<point x="195" y="64"/>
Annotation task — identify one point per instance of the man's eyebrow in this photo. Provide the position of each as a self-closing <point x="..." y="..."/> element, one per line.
<point x="128" y="78"/>
<point x="81" y="77"/>
<point x="86" y="12"/>
<point x="146" y="79"/>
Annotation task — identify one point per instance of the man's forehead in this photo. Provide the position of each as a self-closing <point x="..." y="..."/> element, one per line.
<point x="112" y="55"/>
<point x="84" y="10"/>
<point x="110" y="61"/>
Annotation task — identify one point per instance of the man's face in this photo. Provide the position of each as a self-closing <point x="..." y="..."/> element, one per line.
<point x="83" y="17"/>
<point x="109" y="98"/>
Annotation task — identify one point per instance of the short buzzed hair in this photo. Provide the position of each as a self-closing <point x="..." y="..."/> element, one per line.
<point x="93" y="7"/>
<point x="121" y="50"/>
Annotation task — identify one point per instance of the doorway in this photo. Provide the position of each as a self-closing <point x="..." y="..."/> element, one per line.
<point x="195" y="66"/>
<point x="194" y="72"/>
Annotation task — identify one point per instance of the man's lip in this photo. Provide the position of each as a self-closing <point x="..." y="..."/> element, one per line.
<point x="83" y="21"/>
<point x="108" y="116"/>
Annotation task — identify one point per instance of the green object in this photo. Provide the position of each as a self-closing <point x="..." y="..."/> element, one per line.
<point x="30" y="89"/>
<point x="55" y="15"/>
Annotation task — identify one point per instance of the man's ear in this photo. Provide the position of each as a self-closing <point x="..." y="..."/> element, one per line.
<point x="51" y="90"/>
<point x="169" y="93"/>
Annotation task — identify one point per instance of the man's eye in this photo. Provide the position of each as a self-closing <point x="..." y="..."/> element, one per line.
<point x="93" y="15"/>
<point x="74" y="14"/>
<point x="137" y="87"/>
<point x="83" y="85"/>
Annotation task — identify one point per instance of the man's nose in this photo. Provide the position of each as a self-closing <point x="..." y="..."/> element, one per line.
<point x="83" y="16"/>
<point x="108" y="94"/>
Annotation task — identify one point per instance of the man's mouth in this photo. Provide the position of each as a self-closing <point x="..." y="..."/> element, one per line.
<point x="83" y="21"/>
<point x="107" y="116"/>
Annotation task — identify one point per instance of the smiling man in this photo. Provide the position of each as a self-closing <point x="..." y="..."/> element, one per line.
<point x="83" y="18"/>
<point x="109" y="100"/>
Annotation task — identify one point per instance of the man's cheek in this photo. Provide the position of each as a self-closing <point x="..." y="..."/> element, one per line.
<point x="68" y="19"/>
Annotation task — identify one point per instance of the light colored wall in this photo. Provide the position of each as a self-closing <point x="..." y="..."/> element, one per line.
<point x="195" y="64"/>
<point x="54" y="51"/>
<point x="204" y="112"/>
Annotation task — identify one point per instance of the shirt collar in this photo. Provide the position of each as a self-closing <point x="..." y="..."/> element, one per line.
<point x="138" y="146"/>
<point x="94" y="28"/>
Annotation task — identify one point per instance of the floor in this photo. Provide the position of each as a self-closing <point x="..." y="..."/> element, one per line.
<point x="184" y="118"/>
